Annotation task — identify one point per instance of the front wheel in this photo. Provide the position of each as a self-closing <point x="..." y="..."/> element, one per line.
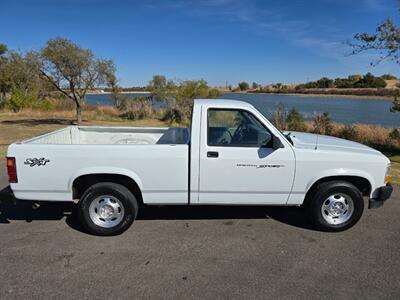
<point x="107" y="208"/>
<point x="335" y="206"/>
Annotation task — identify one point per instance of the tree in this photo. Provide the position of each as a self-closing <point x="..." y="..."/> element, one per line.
<point x="163" y="89"/>
<point x="385" y="40"/>
<point x="295" y="120"/>
<point x="73" y="70"/>
<point x="179" y="96"/>
<point x="354" y="78"/>
<point x="388" y="77"/>
<point x="255" y="85"/>
<point x="189" y="90"/>
<point x="325" y="83"/>
<point x="3" y="84"/>
<point x="20" y="79"/>
<point x="243" y="86"/>
<point x="370" y="81"/>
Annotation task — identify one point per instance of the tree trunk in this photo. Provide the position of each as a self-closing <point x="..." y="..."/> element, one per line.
<point x="78" y="112"/>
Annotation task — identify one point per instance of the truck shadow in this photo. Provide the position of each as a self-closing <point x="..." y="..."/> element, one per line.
<point x="35" y="122"/>
<point x="12" y="210"/>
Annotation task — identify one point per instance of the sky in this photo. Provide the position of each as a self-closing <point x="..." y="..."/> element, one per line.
<point x="221" y="41"/>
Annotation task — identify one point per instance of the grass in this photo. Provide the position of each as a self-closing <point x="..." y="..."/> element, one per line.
<point x="29" y="123"/>
<point x="395" y="172"/>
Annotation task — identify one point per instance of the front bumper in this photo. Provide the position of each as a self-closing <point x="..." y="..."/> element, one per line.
<point x="383" y="193"/>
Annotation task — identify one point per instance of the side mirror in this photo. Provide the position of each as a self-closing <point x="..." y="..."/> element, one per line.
<point x="276" y="143"/>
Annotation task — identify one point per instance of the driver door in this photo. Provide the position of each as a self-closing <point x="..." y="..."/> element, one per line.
<point x="238" y="164"/>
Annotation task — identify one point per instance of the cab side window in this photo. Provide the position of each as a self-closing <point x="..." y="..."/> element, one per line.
<point x="236" y="128"/>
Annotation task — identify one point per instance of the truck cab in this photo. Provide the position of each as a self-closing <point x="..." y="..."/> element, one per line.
<point x="237" y="156"/>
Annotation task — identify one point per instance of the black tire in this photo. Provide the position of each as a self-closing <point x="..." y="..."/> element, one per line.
<point x="320" y="197"/>
<point x="126" y="203"/>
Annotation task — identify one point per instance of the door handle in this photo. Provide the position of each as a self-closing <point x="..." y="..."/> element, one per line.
<point x="212" y="154"/>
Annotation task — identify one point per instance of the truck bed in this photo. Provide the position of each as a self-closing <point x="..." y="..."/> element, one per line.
<point x="82" y="135"/>
<point x="147" y="155"/>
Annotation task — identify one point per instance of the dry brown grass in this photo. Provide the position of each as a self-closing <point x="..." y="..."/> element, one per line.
<point x="395" y="173"/>
<point x="391" y="84"/>
<point x="372" y="135"/>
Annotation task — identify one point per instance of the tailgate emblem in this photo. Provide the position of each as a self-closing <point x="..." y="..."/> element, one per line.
<point x="36" y="161"/>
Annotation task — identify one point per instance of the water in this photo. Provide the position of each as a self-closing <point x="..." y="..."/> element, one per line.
<point x="341" y="109"/>
<point x="105" y="99"/>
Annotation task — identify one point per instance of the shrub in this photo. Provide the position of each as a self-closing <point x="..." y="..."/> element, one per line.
<point x="214" y="93"/>
<point x="136" y="108"/>
<point x="243" y="86"/>
<point x="295" y="121"/>
<point x="279" y="117"/>
<point x="322" y="123"/>
<point x="394" y="135"/>
<point x="44" y="104"/>
<point x="348" y="132"/>
<point x="396" y="104"/>
<point x="388" y="77"/>
<point x="173" y="115"/>
<point x="22" y="99"/>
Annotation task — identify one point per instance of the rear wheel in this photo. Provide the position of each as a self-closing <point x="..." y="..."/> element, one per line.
<point x="335" y="206"/>
<point x="107" y="208"/>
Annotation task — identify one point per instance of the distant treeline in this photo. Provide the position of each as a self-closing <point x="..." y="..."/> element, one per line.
<point x="380" y="92"/>
<point x="129" y="89"/>
<point x="359" y="85"/>
<point x="352" y="81"/>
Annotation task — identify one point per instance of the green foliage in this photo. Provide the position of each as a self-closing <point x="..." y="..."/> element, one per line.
<point x="370" y="81"/>
<point x="187" y="91"/>
<point x="163" y="89"/>
<point x="385" y="40"/>
<point x="280" y="88"/>
<point x="214" y="93"/>
<point x="3" y="49"/>
<point x="21" y="99"/>
<point x="348" y="132"/>
<point x="174" y="115"/>
<point x="324" y="83"/>
<point x="394" y="135"/>
<point x="73" y="70"/>
<point x="322" y="123"/>
<point x="255" y="85"/>
<point x="179" y="96"/>
<point x="388" y="77"/>
<point x="396" y="104"/>
<point x="352" y="81"/>
<point x="243" y="86"/>
<point x="295" y="121"/>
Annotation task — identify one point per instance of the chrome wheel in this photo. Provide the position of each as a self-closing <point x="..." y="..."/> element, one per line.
<point x="337" y="209"/>
<point x="106" y="211"/>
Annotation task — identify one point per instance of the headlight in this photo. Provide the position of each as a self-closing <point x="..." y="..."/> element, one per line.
<point x="388" y="178"/>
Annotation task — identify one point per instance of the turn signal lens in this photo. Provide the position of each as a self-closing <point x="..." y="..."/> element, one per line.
<point x="12" y="170"/>
<point x="388" y="177"/>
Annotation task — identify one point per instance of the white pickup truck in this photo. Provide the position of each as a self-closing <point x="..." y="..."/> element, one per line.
<point x="231" y="155"/>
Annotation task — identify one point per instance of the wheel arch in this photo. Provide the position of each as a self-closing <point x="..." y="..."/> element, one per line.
<point x="361" y="183"/>
<point x="80" y="182"/>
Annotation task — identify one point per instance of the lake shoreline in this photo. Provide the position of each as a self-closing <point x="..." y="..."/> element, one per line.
<point x="358" y="97"/>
